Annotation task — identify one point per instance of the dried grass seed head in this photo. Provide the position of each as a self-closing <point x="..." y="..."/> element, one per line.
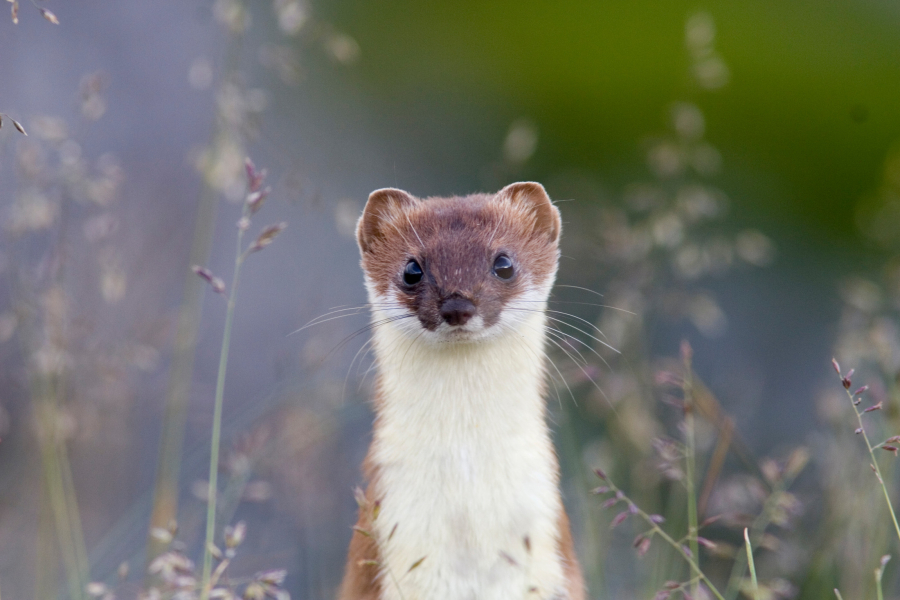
<point x="216" y="283"/>
<point x="267" y="236"/>
<point x="234" y="535"/>
<point x="49" y="16"/>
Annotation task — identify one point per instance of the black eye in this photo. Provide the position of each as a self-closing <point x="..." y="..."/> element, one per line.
<point x="412" y="273"/>
<point x="503" y="267"/>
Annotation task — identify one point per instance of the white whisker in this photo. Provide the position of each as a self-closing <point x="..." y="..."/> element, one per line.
<point x="348" y="312"/>
<point x="350" y="368"/>
<point x="585" y="344"/>
<point x="421" y="244"/>
<point x="578" y="287"/>
<point x="561" y="321"/>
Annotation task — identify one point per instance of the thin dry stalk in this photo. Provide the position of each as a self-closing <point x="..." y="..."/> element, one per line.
<point x="690" y="457"/>
<point x="264" y="239"/>
<point x="854" y="402"/>
<point x="60" y="492"/>
<point x="166" y="488"/>
<point x="47" y="389"/>
<point x="796" y="463"/>
<point x="879" y="573"/>
<point x="655" y="529"/>
<point x="217" y="420"/>
<point x="752" y="565"/>
<point x="165" y="493"/>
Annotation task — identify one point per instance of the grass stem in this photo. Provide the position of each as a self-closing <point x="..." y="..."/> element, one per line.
<point x="690" y="460"/>
<point x="168" y="470"/>
<point x="751" y="564"/>
<point x="217" y="420"/>
<point x="755" y="533"/>
<point x="875" y="467"/>
<point x="657" y="530"/>
<point x="879" y="573"/>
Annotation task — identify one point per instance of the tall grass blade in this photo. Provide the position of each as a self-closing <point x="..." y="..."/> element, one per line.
<point x="751" y="565"/>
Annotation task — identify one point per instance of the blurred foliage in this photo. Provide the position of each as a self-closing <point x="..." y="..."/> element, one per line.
<point x="803" y="124"/>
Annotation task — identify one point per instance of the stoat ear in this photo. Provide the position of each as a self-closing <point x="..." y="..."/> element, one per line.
<point x="382" y="206"/>
<point x="533" y="196"/>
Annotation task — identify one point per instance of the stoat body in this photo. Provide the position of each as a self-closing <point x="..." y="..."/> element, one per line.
<point x="463" y="494"/>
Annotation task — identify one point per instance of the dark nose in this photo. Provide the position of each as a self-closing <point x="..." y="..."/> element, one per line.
<point x="457" y="311"/>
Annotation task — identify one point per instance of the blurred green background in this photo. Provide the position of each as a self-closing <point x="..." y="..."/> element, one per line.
<point x="803" y="124"/>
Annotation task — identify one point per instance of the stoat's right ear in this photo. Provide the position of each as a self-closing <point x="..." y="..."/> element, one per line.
<point x="383" y="206"/>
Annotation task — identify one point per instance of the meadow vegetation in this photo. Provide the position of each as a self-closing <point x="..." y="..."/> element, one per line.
<point x="667" y="497"/>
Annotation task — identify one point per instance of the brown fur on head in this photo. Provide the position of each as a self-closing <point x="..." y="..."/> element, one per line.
<point x="456" y="242"/>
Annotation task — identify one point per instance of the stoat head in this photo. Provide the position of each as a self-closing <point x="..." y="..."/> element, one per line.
<point x="461" y="268"/>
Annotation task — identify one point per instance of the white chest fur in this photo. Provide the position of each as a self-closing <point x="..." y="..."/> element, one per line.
<point x="467" y="475"/>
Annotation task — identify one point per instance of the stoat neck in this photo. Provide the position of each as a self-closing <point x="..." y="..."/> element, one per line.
<point x="454" y="388"/>
<point x="464" y="468"/>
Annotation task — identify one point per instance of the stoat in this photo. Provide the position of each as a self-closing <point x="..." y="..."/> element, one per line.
<point x="463" y="498"/>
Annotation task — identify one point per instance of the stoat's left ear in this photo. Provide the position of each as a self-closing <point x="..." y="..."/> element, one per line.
<point x="533" y="197"/>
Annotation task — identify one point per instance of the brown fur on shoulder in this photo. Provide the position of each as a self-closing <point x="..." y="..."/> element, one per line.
<point x="361" y="580"/>
<point x="577" y="590"/>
